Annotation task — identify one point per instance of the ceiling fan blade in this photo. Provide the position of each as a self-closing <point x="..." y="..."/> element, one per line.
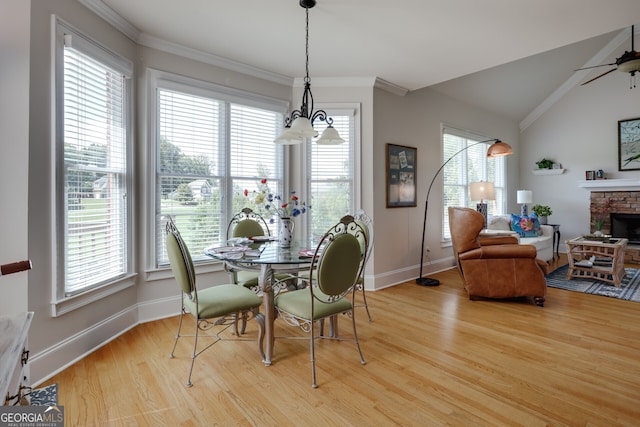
<point x="595" y="66"/>
<point x="601" y="75"/>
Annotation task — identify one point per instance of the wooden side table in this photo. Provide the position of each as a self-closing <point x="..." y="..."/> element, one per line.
<point x="596" y="260"/>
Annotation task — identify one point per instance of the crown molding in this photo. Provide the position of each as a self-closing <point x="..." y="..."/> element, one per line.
<point x="575" y="78"/>
<point x="208" y="58"/>
<point x="124" y="26"/>
<point x="390" y="87"/>
<point x="109" y="15"/>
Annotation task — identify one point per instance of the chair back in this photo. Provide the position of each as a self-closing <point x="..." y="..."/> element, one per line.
<point x="465" y="226"/>
<point x="180" y="259"/>
<point x="363" y="220"/>
<point x="247" y="223"/>
<point x="340" y="259"/>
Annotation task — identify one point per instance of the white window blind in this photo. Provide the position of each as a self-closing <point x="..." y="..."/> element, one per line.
<point x="470" y="165"/>
<point x="93" y="210"/>
<point x="209" y="150"/>
<point x="332" y="175"/>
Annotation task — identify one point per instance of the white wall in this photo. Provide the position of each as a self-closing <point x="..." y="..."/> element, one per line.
<point x="581" y="132"/>
<point x="14" y="149"/>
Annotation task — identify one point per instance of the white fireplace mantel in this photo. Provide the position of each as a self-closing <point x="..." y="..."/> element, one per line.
<point x="610" y="185"/>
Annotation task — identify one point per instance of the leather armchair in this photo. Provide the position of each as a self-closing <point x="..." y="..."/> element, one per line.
<point x="494" y="267"/>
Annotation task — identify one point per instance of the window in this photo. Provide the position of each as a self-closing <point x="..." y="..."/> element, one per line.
<point x="93" y="212"/>
<point x="332" y="182"/>
<point x="212" y="143"/>
<point x="468" y="166"/>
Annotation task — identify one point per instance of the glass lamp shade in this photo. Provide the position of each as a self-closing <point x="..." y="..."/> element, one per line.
<point x="330" y="136"/>
<point x="629" y="66"/>
<point x="482" y="191"/>
<point x="303" y="127"/>
<point x="498" y="149"/>
<point x="288" y="137"/>
<point x="300" y="129"/>
<point x="524" y="196"/>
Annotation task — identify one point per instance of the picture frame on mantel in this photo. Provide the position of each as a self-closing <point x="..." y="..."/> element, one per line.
<point x="401" y="176"/>
<point x="629" y="144"/>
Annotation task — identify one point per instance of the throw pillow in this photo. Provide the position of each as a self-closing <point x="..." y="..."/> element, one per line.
<point x="526" y="225"/>
<point x="498" y="222"/>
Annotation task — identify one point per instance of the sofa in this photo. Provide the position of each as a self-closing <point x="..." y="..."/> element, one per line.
<point x="494" y="267"/>
<point x="543" y="242"/>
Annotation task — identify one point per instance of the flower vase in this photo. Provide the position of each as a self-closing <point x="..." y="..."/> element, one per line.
<point x="285" y="233"/>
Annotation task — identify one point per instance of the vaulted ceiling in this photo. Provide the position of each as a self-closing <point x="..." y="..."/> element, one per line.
<point x="503" y="54"/>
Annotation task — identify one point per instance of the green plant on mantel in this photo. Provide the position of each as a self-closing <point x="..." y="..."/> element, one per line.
<point x="545" y="164"/>
<point x="541" y="210"/>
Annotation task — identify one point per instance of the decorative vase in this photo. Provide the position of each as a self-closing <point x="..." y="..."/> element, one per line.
<point x="542" y="220"/>
<point x="598" y="233"/>
<point x="285" y="233"/>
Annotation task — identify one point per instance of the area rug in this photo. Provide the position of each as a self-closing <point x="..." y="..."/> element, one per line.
<point x="45" y="396"/>
<point x="629" y="289"/>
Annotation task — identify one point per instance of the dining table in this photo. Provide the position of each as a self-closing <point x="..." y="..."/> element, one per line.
<point x="272" y="261"/>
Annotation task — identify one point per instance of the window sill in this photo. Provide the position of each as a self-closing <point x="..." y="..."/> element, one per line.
<point x="164" y="273"/>
<point x="68" y="304"/>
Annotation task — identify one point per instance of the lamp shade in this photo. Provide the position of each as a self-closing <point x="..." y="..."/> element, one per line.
<point x="499" y="149"/>
<point x="482" y="191"/>
<point x="330" y="136"/>
<point x="524" y="196"/>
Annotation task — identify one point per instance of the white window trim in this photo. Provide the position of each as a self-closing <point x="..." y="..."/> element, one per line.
<point x="60" y="303"/>
<point x="463" y="133"/>
<point x="338" y="109"/>
<point x="157" y="78"/>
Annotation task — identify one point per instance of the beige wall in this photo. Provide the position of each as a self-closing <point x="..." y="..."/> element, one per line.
<point x="415" y="120"/>
<point x="14" y="149"/>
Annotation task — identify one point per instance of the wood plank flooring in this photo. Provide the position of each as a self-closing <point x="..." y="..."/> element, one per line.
<point x="434" y="358"/>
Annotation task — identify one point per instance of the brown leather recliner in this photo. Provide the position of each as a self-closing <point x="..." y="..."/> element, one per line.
<point x="494" y="267"/>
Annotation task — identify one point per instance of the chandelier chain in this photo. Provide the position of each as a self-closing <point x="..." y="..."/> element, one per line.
<point x="306" y="78"/>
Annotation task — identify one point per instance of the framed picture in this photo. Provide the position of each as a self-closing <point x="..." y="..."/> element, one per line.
<point x="629" y="145"/>
<point x="401" y="176"/>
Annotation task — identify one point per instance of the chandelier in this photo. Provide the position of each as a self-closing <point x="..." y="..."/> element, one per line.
<point x="299" y="125"/>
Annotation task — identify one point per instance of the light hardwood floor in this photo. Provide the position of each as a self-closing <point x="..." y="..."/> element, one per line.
<point x="433" y="358"/>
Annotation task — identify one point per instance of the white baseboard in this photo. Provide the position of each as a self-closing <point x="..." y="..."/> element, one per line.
<point x="408" y="274"/>
<point x="57" y="358"/>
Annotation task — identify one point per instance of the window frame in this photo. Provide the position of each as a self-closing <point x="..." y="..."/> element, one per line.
<point x="495" y="207"/>
<point x="63" y="302"/>
<point x="158" y="80"/>
<point x="351" y="110"/>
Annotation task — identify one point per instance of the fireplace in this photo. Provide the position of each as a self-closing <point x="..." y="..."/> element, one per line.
<point x="626" y="225"/>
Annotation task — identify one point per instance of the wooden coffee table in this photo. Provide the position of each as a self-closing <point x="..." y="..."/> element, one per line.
<point x="596" y="260"/>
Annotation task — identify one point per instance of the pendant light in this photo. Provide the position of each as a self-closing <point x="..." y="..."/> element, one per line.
<point x="299" y="125"/>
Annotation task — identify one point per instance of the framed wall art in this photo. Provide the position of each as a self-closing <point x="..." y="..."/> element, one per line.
<point x="629" y="144"/>
<point x="401" y="176"/>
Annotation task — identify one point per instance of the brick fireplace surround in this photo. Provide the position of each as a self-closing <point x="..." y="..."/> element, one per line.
<point x="624" y="197"/>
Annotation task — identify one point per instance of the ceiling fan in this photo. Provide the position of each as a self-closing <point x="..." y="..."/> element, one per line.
<point x="629" y="62"/>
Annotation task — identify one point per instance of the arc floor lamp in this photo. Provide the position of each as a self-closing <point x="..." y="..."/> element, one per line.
<point x="497" y="149"/>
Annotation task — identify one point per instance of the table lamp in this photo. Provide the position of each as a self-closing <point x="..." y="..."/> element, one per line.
<point x="482" y="191"/>
<point x="524" y="197"/>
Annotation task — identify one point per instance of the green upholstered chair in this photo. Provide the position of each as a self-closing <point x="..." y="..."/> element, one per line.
<point x="217" y="306"/>
<point x="246" y="223"/>
<point x="365" y="222"/>
<point x="333" y="273"/>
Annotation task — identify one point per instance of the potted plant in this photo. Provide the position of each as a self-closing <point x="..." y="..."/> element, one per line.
<point x="545" y="164"/>
<point x="542" y="211"/>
